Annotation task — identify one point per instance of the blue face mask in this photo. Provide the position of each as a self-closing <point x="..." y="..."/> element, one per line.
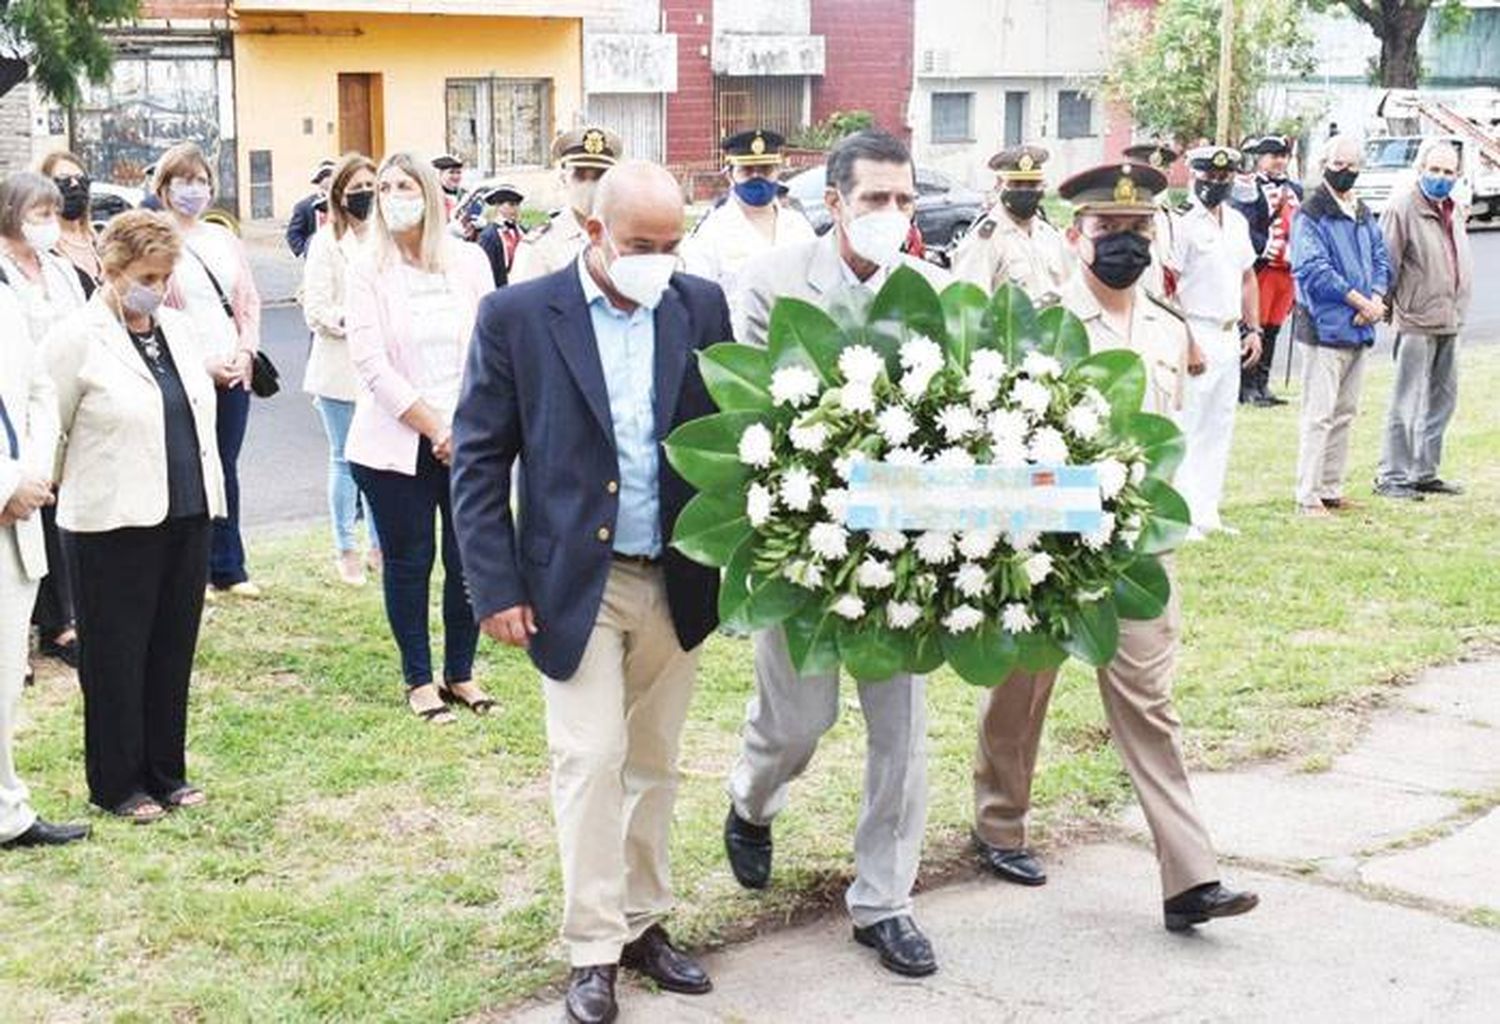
<point x="1437" y="188"/>
<point x="755" y="191"/>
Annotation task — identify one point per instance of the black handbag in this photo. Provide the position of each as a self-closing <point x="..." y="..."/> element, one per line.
<point x="265" y="379"/>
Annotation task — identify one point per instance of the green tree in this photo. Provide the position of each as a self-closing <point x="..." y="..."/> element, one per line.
<point x="63" y="40"/>
<point x="1398" y="25"/>
<point x="1165" y="64"/>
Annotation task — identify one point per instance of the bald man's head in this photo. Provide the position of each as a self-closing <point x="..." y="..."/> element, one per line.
<point x="633" y="189"/>
<point x="637" y="212"/>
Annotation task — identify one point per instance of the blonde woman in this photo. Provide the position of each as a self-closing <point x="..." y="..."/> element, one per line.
<point x="213" y="286"/>
<point x="330" y="372"/>
<point x="140" y="484"/>
<point x="76" y="242"/>
<point x="412" y="300"/>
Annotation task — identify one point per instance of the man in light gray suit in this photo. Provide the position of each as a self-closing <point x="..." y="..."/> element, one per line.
<point x="872" y="196"/>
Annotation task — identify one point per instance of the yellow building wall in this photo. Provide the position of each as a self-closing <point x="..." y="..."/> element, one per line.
<point x="286" y="70"/>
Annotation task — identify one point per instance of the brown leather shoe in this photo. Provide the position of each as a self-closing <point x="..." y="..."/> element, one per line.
<point x="654" y="956"/>
<point x="591" y="995"/>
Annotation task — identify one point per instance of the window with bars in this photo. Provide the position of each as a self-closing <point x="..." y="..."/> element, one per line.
<point x="952" y="117"/>
<point x="495" y="123"/>
<point x="772" y="102"/>
<point x="1075" y="114"/>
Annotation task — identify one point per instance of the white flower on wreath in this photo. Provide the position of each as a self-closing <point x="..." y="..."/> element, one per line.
<point x="963" y="619"/>
<point x="987" y="362"/>
<point x="896" y="425"/>
<point x="1130" y="532"/>
<point x="755" y="447"/>
<point x="1094" y="399"/>
<point x="1008" y="428"/>
<point x="971" y="580"/>
<point x="904" y="457"/>
<point x="835" y="502"/>
<point x="804" y="573"/>
<point x="873" y="574"/>
<point x="844" y="464"/>
<point x="1023" y="541"/>
<point x="958" y="422"/>
<point x="1038" y="567"/>
<point x="955" y="457"/>
<point x="758" y="504"/>
<point x="861" y="364"/>
<point x="982" y="391"/>
<point x="1017" y="618"/>
<point x="808" y="438"/>
<point x="1099" y="539"/>
<point x="828" y="540"/>
<point x="857" y="397"/>
<point x="977" y="544"/>
<point x="921" y="359"/>
<point x="1048" y="447"/>
<point x="797" y="489"/>
<point x="849" y="606"/>
<point x="902" y="614"/>
<point x="935" y="547"/>
<point x="794" y="386"/>
<point x="926" y="584"/>
<point x="1032" y="396"/>
<point x="1084" y="422"/>
<point x="1040" y="366"/>
<point x="890" y="542"/>
<point x="1112" y="477"/>
<point x="1138" y="471"/>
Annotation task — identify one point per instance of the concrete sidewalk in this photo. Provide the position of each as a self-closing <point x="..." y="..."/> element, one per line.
<point x="1380" y="901"/>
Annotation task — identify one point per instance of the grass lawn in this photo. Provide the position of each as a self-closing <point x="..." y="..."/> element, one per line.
<point x="355" y="864"/>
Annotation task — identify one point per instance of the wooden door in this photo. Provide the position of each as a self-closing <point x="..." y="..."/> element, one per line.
<point x="357" y="114"/>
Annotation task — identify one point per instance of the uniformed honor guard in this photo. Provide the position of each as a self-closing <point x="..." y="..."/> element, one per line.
<point x="750" y="221"/>
<point x="1012" y="244"/>
<point x="1269" y="213"/>
<point x="1111" y="238"/>
<point x="1217" y="291"/>
<point x="582" y="156"/>
<point x="450" y="171"/>
<point x="502" y="235"/>
<point x="1158" y="277"/>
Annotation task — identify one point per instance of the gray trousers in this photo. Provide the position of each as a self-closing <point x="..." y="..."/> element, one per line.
<point x="784" y="721"/>
<point x="1422" y="402"/>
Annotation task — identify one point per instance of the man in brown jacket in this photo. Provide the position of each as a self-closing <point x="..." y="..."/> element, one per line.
<point x="1432" y="270"/>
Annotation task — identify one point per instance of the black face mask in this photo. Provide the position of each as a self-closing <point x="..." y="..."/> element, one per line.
<point x="1121" y="258"/>
<point x="1021" y="202"/>
<point x="1211" y="193"/>
<point x="359" y="204"/>
<point x="75" y="193"/>
<point x="1341" y="180"/>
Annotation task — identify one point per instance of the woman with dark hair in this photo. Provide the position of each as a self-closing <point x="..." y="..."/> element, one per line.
<point x="76" y="243"/>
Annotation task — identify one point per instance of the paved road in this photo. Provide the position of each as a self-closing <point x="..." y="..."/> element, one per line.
<point x="285" y="457"/>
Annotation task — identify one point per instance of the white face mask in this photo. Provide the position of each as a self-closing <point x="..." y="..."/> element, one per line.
<point x="641" y="278"/>
<point x="42" y="237"/>
<point x="402" y="213"/>
<point x="878" y="236"/>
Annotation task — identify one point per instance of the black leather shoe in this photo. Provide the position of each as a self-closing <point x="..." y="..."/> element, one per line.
<point x="591" y="995"/>
<point x="901" y="945"/>
<point x="44" y="833"/>
<point x="1437" y="486"/>
<point x="749" y="850"/>
<point x="1204" y="902"/>
<point x="1017" y="865"/>
<point x="1399" y="492"/>
<point x="654" y="956"/>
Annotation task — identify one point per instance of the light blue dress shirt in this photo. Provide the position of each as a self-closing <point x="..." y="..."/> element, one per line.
<point x="627" y="351"/>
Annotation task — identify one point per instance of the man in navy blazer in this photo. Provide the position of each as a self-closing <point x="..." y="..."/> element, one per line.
<point x="580" y="375"/>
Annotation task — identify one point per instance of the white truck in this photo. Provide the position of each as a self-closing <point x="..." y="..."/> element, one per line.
<point x="1390" y="160"/>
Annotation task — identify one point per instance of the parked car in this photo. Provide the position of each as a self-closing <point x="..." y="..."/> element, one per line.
<point x="107" y="201"/>
<point x="945" y="209"/>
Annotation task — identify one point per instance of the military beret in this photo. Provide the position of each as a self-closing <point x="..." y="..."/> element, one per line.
<point x="1125" y="187"/>
<point x="1019" y="163"/>
<point x="447" y="162"/>
<point x="758" y="147"/>
<point x="1213" y="158"/>
<point x="587" y="147"/>
<point x="1155" y="154"/>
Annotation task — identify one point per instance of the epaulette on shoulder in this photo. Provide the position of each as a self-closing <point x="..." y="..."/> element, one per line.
<point x="1167" y="304"/>
<point x="986" y="227"/>
<point x="1181" y="208"/>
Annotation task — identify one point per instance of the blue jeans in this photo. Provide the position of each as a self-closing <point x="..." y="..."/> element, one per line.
<point x="345" y="503"/>
<point x="226" y="560"/>
<point x="406" y="507"/>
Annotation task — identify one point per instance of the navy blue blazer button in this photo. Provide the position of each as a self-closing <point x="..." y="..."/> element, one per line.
<point x="612" y="487"/>
<point x="603" y="534"/>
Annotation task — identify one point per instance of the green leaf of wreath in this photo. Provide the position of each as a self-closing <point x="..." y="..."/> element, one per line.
<point x="1093" y="633"/>
<point x="1062" y="336"/>
<point x="964" y="308"/>
<point x="1038" y="652"/>
<point x="738" y="377"/>
<point x="907" y="299"/>
<point x="749" y="600"/>
<point x="812" y="640"/>
<point x="706" y="451"/>
<point x="870" y="651"/>
<point x="1120" y="376"/>
<point x="925" y="653"/>
<point x="711" y="527"/>
<point x="1012" y="323"/>
<point x="1162" y="441"/>
<point x="802" y="333"/>
<point x="1169" y="520"/>
<point x="1143" y="591"/>
<point x="984" y="656"/>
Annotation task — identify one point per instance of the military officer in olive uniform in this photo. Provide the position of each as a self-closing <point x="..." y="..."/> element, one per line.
<point x="750" y="221"/>
<point x="1012" y="244"/>
<point x="1159" y="279"/>
<point x="582" y="156"/>
<point x="1111" y="238"/>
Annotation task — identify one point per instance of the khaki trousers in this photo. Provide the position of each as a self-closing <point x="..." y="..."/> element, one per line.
<point x="613" y="732"/>
<point x="17" y="595"/>
<point x="1137" y="691"/>
<point x="1331" y="382"/>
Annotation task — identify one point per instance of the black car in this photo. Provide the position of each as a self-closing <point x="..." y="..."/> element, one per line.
<point x="945" y="209"/>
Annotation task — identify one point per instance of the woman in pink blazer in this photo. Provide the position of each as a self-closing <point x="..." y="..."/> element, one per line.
<point x="411" y="302"/>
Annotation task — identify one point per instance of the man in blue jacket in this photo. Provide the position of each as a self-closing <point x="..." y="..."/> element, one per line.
<point x="580" y="375"/>
<point x="1343" y="275"/>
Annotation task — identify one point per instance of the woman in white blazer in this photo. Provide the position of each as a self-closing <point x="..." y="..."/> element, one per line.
<point x="140" y="482"/>
<point x="331" y="379"/>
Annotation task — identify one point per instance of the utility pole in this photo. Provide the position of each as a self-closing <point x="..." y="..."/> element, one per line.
<point x="1226" y="71"/>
